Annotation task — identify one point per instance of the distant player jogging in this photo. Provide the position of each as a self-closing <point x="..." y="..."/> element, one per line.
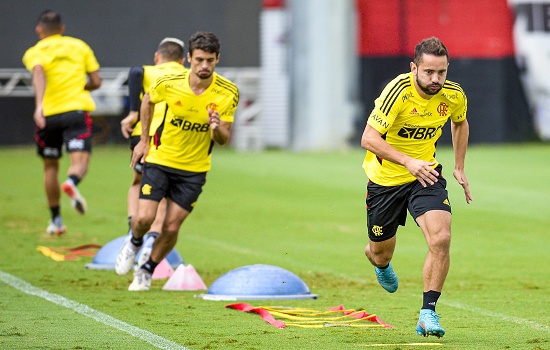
<point x="64" y="71"/>
<point x="400" y="138"/>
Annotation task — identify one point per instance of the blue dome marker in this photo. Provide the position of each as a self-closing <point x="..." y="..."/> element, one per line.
<point x="258" y="282"/>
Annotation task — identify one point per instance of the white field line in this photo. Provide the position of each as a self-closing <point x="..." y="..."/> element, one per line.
<point x="87" y="311"/>
<point x="516" y="320"/>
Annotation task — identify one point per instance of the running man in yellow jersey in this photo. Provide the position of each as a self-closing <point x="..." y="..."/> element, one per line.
<point x="64" y="71"/>
<point x="178" y="156"/>
<point x="400" y="138"/>
<point x="168" y="59"/>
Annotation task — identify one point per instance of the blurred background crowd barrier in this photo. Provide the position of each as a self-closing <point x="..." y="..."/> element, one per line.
<point x="308" y="70"/>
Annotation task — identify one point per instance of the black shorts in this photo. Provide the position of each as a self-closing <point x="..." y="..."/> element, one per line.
<point x="181" y="187"/>
<point x="387" y="205"/>
<point x="74" y="129"/>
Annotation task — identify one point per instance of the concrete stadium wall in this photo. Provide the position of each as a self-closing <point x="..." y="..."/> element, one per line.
<point x="122" y="33"/>
<point x="125" y="33"/>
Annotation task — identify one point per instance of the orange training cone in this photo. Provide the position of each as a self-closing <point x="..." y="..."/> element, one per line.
<point x="185" y="278"/>
<point x="163" y="270"/>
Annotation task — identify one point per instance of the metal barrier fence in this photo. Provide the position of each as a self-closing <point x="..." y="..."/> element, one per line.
<point x="110" y="98"/>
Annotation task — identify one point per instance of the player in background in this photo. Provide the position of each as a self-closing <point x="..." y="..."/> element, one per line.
<point x="64" y="71"/>
<point x="201" y="107"/>
<point x="400" y="138"/>
<point x="169" y="59"/>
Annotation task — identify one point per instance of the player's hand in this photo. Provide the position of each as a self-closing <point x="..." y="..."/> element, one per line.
<point x="126" y="124"/>
<point x="460" y="176"/>
<point x="39" y="119"/>
<point x="422" y="171"/>
<point x="139" y="153"/>
<point x="213" y="119"/>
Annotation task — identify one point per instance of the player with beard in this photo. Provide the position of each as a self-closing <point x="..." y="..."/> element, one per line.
<point x="400" y="138"/>
<point x="200" y="111"/>
<point x="168" y="59"/>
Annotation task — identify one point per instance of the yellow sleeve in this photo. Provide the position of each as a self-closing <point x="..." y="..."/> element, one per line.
<point x="91" y="61"/>
<point x="378" y="120"/>
<point x="388" y="105"/>
<point x="31" y="59"/>
<point x="461" y="109"/>
<point x="155" y="92"/>
<point x="227" y="114"/>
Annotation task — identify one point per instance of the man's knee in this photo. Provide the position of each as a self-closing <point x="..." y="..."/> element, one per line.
<point x="143" y="219"/>
<point x="441" y="241"/>
<point x="170" y="230"/>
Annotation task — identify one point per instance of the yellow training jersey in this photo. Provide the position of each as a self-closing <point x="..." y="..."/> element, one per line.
<point x="150" y="75"/>
<point x="183" y="140"/>
<point x="410" y="124"/>
<point x="66" y="61"/>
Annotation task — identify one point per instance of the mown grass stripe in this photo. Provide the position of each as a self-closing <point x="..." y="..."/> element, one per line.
<point x="87" y="311"/>
<point x="498" y="315"/>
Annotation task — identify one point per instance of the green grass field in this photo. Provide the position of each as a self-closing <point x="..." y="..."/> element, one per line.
<point x="303" y="212"/>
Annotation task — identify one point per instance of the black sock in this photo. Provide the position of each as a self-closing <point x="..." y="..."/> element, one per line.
<point x="385" y="267"/>
<point x="153" y="234"/>
<point x="430" y="299"/>
<point x="150" y="266"/>
<point x="75" y="179"/>
<point x="138" y="242"/>
<point x="55" y="212"/>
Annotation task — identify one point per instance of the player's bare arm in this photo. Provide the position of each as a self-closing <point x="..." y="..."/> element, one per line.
<point x="372" y="141"/>
<point x="142" y="148"/>
<point x="460" y="132"/>
<point x="39" y="84"/>
<point x="220" y="130"/>
<point x="94" y="81"/>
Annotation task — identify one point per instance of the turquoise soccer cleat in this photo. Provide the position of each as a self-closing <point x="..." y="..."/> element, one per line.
<point x="428" y="324"/>
<point x="387" y="278"/>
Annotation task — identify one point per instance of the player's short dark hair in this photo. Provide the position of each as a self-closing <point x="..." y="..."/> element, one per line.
<point x="170" y="50"/>
<point x="430" y="46"/>
<point x="205" y="41"/>
<point x="50" y="21"/>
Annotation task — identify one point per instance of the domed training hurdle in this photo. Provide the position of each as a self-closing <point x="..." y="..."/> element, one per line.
<point x="258" y="282"/>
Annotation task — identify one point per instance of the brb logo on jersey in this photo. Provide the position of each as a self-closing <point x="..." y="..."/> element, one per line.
<point x="418" y="133"/>
<point x="186" y="125"/>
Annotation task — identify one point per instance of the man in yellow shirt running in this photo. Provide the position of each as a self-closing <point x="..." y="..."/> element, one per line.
<point x="64" y="71"/>
<point x="168" y="59"/>
<point x="202" y="106"/>
<point x="400" y="138"/>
